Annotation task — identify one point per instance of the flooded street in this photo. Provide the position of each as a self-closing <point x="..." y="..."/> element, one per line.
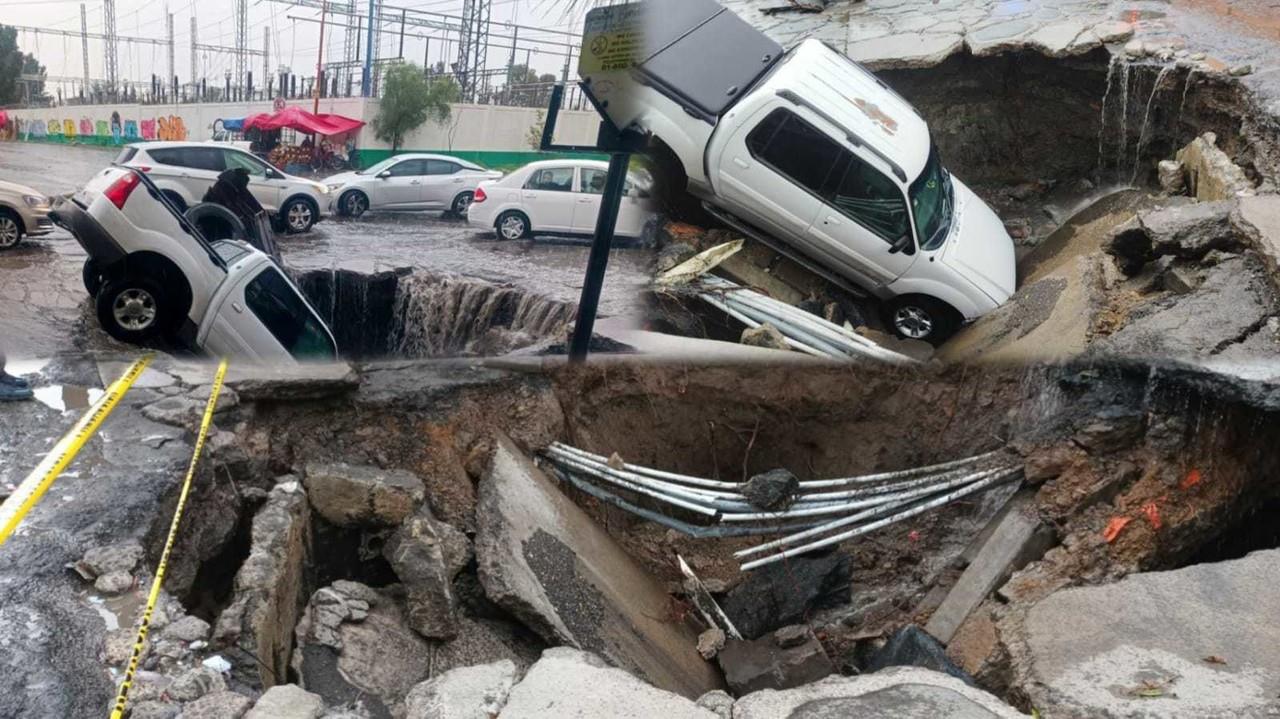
<point x="44" y="309"/>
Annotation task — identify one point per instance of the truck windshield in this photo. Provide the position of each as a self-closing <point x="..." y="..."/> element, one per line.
<point x="931" y="203"/>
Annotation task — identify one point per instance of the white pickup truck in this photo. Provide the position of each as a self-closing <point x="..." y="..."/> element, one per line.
<point x="152" y="273"/>
<point x="806" y="151"/>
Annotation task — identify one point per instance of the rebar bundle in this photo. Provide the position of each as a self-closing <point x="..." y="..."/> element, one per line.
<point x="820" y="513"/>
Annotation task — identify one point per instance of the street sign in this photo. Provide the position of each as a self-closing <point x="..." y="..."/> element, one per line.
<point x="612" y="39"/>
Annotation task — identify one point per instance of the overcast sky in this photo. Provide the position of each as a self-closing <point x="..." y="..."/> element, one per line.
<point x="294" y="38"/>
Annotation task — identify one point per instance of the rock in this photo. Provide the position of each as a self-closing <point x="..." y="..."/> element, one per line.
<point x="1111" y="431"/>
<point x="556" y="569"/>
<point x="1143" y="651"/>
<point x="792" y="636"/>
<point x="766" y="335"/>
<point x="287" y="701"/>
<point x="349" y="495"/>
<point x="179" y="411"/>
<point x="223" y="704"/>
<point x="1190" y="231"/>
<point x="122" y="557"/>
<point x="1135" y="48"/>
<point x="257" y="627"/>
<point x="1211" y="173"/>
<point x="568" y="683"/>
<point x="711" y="642"/>
<point x="779" y="594"/>
<point x="1113" y="31"/>
<point x="1173" y="176"/>
<point x="1240" y="70"/>
<point x="153" y="710"/>
<point x="186" y="629"/>
<point x="910" y="646"/>
<point x="1257" y="220"/>
<point x="195" y="683"/>
<point x="113" y="583"/>
<point x="1045" y="463"/>
<point x="426" y="554"/>
<point x="717" y="702"/>
<point x="478" y="692"/>
<point x="1180" y="279"/>
<point x="291" y="383"/>
<point x="772" y="490"/>
<point x="673" y="254"/>
<point x="898" y="692"/>
<point x="761" y="664"/>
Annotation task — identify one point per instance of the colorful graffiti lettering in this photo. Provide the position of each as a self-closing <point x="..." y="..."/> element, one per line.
<point x="148" y="129"/>
<point x="100" y="129"/>
<point x="86" y="126"/>
<point x="172" y="128"/>
<point x="55" y="127"/>
<point x="69" y="128"/>
<point x="131" y="130"/>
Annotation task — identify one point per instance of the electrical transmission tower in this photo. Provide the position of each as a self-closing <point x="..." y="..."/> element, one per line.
<point x="112" y="56"/>
<point x="195" y="61"/>
<point x="266" y="58"/>
<point x="173" y="69"/>
<point x="473" y="47"/>
<point x="242" y="43"/>
<point x="84" y="47"/>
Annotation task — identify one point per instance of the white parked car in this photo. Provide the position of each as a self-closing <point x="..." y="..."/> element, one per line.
<point x="809" y="152"/>
<point x="152" y="273"/>
<point x="184" y="171"/>
<point x="23" y="212"/>
<point x="560" y="197"/>
<point x="409" y="182"/>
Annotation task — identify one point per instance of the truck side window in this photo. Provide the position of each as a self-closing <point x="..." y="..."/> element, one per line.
<point x="553" y="179"/>
<point x="865" y="195"/>
<point x="287" y="317"/>
<point x="794" y="148"/>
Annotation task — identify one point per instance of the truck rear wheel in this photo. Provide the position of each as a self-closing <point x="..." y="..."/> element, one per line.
<point x="92" y="277"/>
<point x="133" y="309"/>
<point x="917" y="317"/>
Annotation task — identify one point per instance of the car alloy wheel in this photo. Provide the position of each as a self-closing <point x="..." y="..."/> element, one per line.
<point x="134" y="309"/>
<point x="9" y="232"/>
<point x="462" y="203"/>
<point x="913" y="321"/>
<point x="298" y="217"/>
<point x="356" y="204"/>
<point x="512" y="227"/>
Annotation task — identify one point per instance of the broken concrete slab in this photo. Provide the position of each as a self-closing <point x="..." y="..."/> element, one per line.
<point x="567" y="683"/>
<point x="779" y="594"/>
<point x="906" y="51"/>
<point x="542" y="558"/>
<point x="478" y="692"/>
<point x="1257" y="220"/>
<point x="287" y="701"/>
<point x="352" y="495"/>
<point x="1140" y="647"/>
<point x="900" y="693"/>
<point x="426" y="554"/>
<point x="765" y="663"/>
<point x="1019" y="539"/>
<point x="1211" y="175"/>
<point x="256" y="629"/>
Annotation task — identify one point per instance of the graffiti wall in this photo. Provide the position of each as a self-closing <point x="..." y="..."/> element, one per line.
<point x="112" y="130"/>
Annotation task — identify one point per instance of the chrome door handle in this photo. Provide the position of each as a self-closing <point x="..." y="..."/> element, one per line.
<point x="831" y="220"/>
<point x="236" y="306"/>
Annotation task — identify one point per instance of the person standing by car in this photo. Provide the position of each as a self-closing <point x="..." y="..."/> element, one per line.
<point x="12" y="388"/>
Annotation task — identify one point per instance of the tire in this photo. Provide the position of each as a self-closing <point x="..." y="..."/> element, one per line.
<point x="512" y="225"/>
<point x="133" y="309"/>
<point x="918" y="317"/>
<point x="353" y="203"/>
<point x="92" y="278"/>
<point x="461" y="203"/>
<point x="298" y="215"/>
<point x="216" y="222"/>
<point x="10" y="229"/>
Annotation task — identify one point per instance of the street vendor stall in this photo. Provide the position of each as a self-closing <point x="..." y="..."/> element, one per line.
<point x="325" y="145"/>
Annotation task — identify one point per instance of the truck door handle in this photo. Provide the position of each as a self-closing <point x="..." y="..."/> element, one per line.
<point x="831" y="220"/>
<point x="741" y="163"/>
<point x="236" y="306"/>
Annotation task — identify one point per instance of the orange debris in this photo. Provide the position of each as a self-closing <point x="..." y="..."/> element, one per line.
<point x="1115" y="527"/>
<point x="1192" y="479"/>
<point x="1153" y="514"/>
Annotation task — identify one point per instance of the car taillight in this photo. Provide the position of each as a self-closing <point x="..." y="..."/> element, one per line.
<point x="144" y="168"/>
<point x="479" y="196"/>
<point x="120" y="190"/>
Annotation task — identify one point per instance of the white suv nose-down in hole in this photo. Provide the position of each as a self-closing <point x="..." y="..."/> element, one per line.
<point x="810" y="153"/>
<point x="152" y="273"/>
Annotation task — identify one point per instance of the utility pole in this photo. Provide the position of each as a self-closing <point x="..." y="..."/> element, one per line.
<point x="366" y="74"/>
<point x="173" y="70"/>
<point x="315" y="108"/>
<point x="195" y="62"/>
<point x="401" y="53"/>
<point x="242" y="41"/>
<point x="266" y="60"/>
<point x="84" y="48"/>
<point x="110" y="63"/>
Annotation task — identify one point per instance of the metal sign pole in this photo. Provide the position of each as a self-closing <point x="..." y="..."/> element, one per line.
<point x="598" y="261"/>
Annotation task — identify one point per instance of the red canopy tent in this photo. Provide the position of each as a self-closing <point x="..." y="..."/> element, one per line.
<point x="295" y="118"/>
<point x="4" y="118"/>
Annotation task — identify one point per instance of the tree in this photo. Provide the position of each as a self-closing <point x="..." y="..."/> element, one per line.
<point x="409" y="99"/>
<point x="13" y="64"/>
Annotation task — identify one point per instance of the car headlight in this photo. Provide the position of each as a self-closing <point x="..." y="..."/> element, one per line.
<point x="320" y="188"/>
<point x="35" y="201"/>
<point x="334" y="187"/>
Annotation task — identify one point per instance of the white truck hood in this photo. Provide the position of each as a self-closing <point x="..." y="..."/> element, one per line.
<point x="980" y="248"/>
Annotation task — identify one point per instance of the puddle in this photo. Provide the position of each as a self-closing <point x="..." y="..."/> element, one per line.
<point x="63" y="397"/>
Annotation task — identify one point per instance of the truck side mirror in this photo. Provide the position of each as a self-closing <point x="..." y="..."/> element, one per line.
<point x="901" y="245"/>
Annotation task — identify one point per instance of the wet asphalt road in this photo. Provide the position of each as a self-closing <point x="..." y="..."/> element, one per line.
<point x="45" y="311"/>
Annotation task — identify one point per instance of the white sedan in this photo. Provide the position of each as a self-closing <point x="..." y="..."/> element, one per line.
<point x="409" y="182"/>
<point x="559" y="197"/>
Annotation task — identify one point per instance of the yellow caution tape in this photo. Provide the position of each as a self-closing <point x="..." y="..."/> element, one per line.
<point x="28" y="494"/>
<point x="140" y="643"/>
